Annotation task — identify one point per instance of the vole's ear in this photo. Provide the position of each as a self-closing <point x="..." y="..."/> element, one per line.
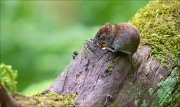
<point x="107" y="23"/>
<point x="107" y="27"/>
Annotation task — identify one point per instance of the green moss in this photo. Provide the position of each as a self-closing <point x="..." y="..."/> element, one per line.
<point x="47" y="98"/>
<point x="144" y="104"/>
<point x="8" y="77"/>
<point x="159" y="26"/>
<point x="150" y="91"/>
<point x="137" y="99"/>
<point x="167" y="89"/>
<point x="110" y="67"/>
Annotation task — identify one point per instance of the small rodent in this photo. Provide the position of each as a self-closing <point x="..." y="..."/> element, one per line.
<point x="122" y="37"/>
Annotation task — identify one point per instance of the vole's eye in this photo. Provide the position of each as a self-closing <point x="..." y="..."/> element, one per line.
<point x="103" y="35"/>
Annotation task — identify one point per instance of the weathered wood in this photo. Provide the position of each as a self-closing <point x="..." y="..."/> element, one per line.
<point x="6" y="100"/>
<point x="106" y="79"/>
<point x="101" y="78"/>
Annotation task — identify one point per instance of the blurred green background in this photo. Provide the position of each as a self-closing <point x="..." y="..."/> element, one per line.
<point x="38" y="37"/>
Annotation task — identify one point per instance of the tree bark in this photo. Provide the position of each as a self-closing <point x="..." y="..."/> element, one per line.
<point x="6" y="100"/>
<point x="104" y="79"/>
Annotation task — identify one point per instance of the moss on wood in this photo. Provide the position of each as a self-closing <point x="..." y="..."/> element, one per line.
<point x="8" y="77"/>
<point x="159" y="26"/>
<point x="48" y="99"/>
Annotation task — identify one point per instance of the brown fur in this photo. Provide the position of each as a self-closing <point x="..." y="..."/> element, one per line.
<point x="123" y="37"/>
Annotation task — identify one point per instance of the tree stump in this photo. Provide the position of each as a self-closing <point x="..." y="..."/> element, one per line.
<point x="105" y="79"/>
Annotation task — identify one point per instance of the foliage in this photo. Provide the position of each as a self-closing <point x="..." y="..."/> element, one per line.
<point x="8" y="77"/>
<point x="47" y="98"/>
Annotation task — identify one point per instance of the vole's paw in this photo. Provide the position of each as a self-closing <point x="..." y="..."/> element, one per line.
<point x="108" y="49"/>
<point x="90" y="44"/>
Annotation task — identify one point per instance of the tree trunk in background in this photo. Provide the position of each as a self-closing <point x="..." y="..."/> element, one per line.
<point x="103" y="79"/>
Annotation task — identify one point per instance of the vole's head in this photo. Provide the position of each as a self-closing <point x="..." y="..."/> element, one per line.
<point x="105" y="35"/>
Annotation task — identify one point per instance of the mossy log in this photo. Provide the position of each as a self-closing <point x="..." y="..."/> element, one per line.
<point x="103" y="79"/>
<point x="96" y="78"/>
